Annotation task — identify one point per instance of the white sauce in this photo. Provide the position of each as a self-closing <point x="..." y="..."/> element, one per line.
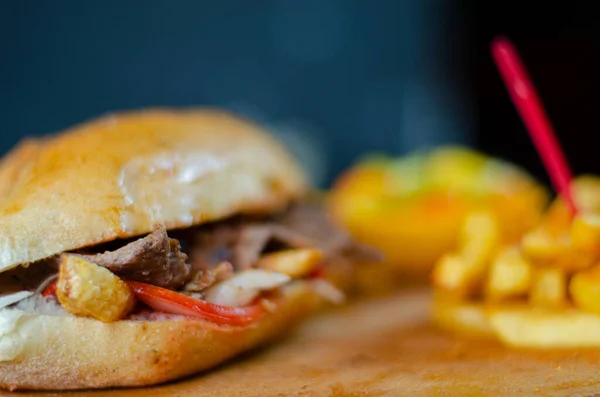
<point x="10" y="337"/>
<point x="9" y="299"/>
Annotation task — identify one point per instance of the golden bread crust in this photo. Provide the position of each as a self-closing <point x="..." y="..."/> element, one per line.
<point x="117" y="176"/>
<point x="74" y="353"/>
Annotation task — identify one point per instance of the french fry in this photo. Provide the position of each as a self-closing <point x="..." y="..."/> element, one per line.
<point x="295" y="263"/>
<point x="463" y="273"/>
<point x="586" y="190"/>
<point x="528" y="327"/>
<point x="86" y="289"/>
<point x="549" y="288"/>
<point x="509" y="275"/>
<point x="585" y="233"/>
<point x="557" y="218"/>
<point x="461" y="317"/>
<point x="479" y="240"/>
<point x="519" y="325"/>
<point x="544" y="249"/>
<point x="574" y="260"/>
<point x="453" y="273"/>
<point x="584" y="289"/>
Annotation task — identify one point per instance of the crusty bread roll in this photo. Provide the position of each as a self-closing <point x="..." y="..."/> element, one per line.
<point x="117" y="177"/>
<point x="120" y="175"/>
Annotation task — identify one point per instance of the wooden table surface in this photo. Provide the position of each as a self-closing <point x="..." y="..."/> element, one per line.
<point x="385" y="347"/>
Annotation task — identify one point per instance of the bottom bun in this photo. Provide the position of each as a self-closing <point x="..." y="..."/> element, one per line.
<point x="60" y="353"/>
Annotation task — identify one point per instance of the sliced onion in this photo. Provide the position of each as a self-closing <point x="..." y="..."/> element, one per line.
<point x="242" y="288"/>
<point x="10" y="299"/>
<point x="328" y="291"/>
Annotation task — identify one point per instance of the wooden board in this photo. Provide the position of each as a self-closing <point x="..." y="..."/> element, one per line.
<point x="386" y="347"/>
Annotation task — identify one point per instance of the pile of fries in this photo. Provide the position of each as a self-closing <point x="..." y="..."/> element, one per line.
<point x="542" y="292"/>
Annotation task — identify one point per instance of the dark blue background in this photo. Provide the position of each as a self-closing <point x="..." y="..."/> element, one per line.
<point x="335" y="78"/>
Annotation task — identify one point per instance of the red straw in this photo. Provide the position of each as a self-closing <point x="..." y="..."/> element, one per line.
<point x="529" y="106"/>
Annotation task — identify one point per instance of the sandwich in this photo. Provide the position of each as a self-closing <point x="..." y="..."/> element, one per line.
<point x="145" y="246"/>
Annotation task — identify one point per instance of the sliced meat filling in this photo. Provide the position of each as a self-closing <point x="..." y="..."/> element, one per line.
<point x="302" y="226"/>
<point x="155" y="259"/>
<point x="204" y="278"/>
<point x="313" y="227"/>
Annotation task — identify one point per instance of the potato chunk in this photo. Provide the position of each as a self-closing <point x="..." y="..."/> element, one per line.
<point x="86" y="289"/>
<point x="544" y="249"/>
<point x="585" y="290"/>
<point x="295" y="263"/>
<point x="509" y="275"/>
<point x="452" y="273"/>
<point x="463" y="272"/>
<point x="549" y="288"/>
<point x="585" y="233"/>
<point x="479" y="240"/>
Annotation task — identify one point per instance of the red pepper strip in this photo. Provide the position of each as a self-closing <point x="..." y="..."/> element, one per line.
<point x="319" y="272"/>
<point x="172" y="302"/>
<point x="50" y="290"/>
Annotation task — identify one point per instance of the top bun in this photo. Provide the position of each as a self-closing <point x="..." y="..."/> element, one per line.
<point x="119" y="175"/>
